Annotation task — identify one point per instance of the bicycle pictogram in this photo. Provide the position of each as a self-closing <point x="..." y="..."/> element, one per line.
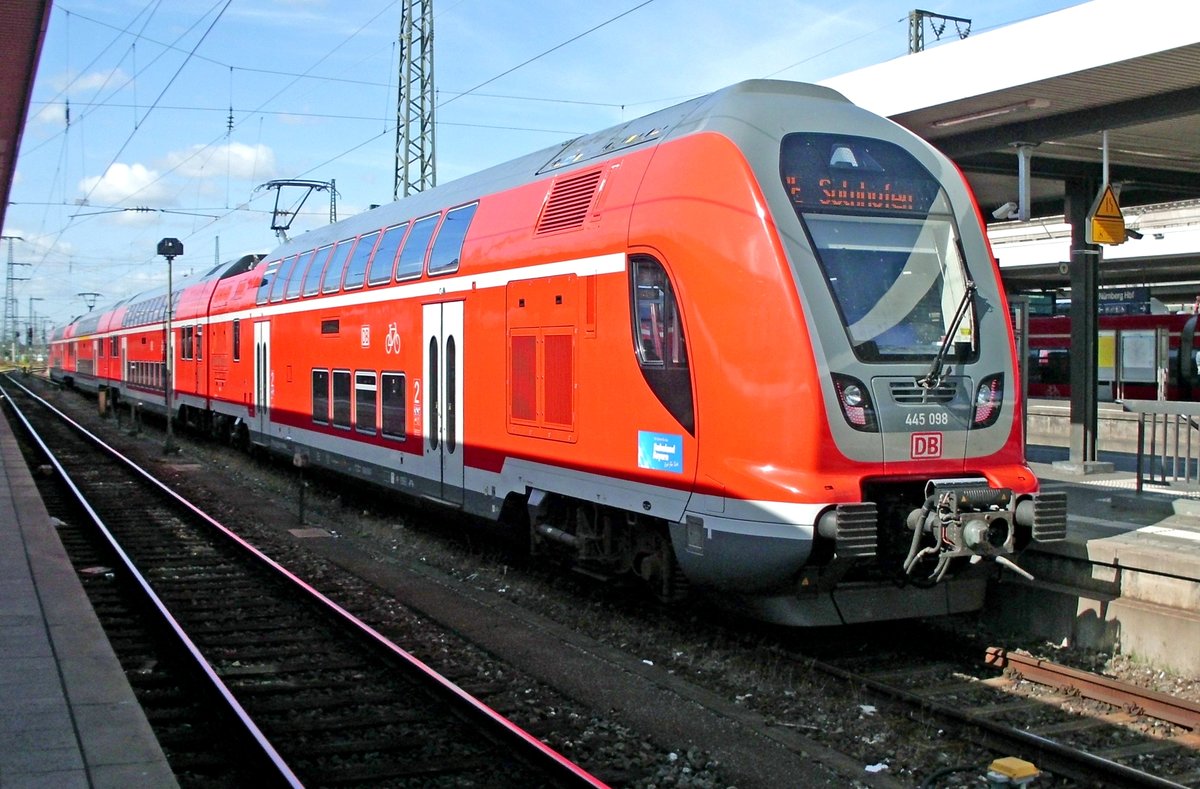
<point x="392" y="344"/>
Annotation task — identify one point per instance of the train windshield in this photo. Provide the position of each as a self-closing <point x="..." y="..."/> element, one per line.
<point x="886" y="240"/>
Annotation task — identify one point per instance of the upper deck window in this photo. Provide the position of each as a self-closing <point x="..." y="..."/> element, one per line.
<point x="412" y="257"/>
<point x="316" y="267"/>
<point x="337" y="264"/>
<point x="885" y="236"/>
<point x="264" y="287"/>
<point x="447" y="247"/>
<point x="278" y="287"/>
<point x="356" y="269"/>
<point x="383" y="262"/>
<point x="299" y="273"/>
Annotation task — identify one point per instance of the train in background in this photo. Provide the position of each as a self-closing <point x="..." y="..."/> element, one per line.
<point x="753" y="344"/>
<point x="1139" y="357"/>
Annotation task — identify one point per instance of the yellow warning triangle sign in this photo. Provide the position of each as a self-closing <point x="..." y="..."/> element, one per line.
<point x="1105" y="223"/>
<point x="1107" y="208"/>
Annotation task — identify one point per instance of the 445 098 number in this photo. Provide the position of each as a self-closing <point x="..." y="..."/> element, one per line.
<point x="926" y="418"/>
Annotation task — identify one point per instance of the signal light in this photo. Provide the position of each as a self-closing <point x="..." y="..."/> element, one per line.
<point x="988" y="399"/>
<point x="855" y="402"/>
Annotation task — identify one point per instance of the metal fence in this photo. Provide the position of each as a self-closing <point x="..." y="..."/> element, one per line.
<point x="1168" y="442"/>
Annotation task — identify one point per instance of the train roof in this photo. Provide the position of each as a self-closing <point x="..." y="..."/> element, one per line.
<point x="713" y="111"/>
<point x="227" y="269"/>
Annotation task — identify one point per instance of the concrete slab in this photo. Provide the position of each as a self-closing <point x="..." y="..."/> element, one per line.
<point x="1126" y="579"/>
<point x="69" y="717"/>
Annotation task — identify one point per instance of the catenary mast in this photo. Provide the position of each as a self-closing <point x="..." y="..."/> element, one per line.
<point x="415" y="163"/>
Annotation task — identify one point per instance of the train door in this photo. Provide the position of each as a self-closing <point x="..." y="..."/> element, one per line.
<point x="262" y="376"/>
<point x="442" y="419"/>
<point x="197" y="359"/>
<point x="122" y="374"/>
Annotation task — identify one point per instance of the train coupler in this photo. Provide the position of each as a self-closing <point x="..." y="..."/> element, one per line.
<point x="962" y="518"/>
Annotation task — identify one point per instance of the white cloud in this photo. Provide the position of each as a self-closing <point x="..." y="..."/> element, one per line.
<point x="92" y="81"/>
<point x="54" y="114"/>
<point x="124" y="183"/>
<point x="235" y="160"/>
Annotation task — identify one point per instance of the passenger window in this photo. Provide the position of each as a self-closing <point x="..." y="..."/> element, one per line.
<point x="412" y="257"/>
<point x="394" y="397"/>
<point x="383" y="262"/>
<point x="299" y="275"/>
<point x="447" y="248"/>
<point x="365" y="398"/>
<point x="320" y="396"/>
<point x="341" y="399"/>
<point x="280" y="284"/>
<point x="312" y="279"/>
<point x="264" y="287"/>
<point x="356" y="269"/>
<point x="659" y="338"/>
<point x="336" y="265"/>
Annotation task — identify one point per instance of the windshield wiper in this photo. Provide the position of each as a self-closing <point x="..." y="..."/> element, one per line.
<point x="933" y="378"/>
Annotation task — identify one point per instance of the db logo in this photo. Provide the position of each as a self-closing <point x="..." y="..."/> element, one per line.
<point x="926" y="445"/>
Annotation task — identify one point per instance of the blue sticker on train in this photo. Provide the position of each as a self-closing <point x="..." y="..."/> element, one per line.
<point x="660" y="451"/>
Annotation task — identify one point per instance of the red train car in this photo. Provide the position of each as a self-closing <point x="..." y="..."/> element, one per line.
<point x="754" y="343"/>
<point x="1139" y="357"/>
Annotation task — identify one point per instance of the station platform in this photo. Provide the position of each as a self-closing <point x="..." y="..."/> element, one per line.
<point x="69" y="716"/>
<point x="1127" y="578"/>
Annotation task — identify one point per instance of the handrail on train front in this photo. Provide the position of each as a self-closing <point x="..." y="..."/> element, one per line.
<point x="1176" y="417"/>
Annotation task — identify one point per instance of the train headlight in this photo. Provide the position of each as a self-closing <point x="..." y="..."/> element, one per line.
<point x="855" y="403"/>
<point x="988" y="399"/>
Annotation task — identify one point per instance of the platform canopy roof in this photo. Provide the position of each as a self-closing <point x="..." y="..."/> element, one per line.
<point x="21" y="38"/>
<point x="1058" y="81"/>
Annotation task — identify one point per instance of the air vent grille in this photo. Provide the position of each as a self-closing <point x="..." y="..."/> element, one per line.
<point x="912" y="393"/>
<point x="568" y="204"/>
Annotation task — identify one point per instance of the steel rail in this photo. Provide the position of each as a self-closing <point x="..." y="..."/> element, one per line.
<point x="265" y="750"/>
<point x="555" y="765"/>
<point x="1050" y="755"/>
<point x="1180" y="712"/>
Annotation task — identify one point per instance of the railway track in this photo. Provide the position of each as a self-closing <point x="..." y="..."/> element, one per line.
<point x="301" y="692"/>
<point x="961" y="710"/>
<point x="1089" y="730"/>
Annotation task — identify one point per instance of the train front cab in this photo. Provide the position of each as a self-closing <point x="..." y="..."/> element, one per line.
<point x="897" y="482"/>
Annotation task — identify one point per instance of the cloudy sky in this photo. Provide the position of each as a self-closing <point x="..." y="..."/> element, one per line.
<point x="152" y="119"/>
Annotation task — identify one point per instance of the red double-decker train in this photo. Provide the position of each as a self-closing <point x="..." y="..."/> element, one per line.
<point x="755" y="344"/>
<point x="1139" y="357"/>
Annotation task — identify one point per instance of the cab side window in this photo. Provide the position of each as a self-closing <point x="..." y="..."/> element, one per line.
<point x="659" y="338"/>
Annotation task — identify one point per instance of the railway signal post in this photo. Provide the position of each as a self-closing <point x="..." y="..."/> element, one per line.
<point x="170" y="248"/>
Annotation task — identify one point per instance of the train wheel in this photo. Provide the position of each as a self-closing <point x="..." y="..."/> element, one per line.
<point x="662" y="572"/>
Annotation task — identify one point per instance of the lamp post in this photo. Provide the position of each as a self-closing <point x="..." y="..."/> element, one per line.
<point x="170" y="248"/>
<point x="31" y="320"/>
<point x="30" y="335"/>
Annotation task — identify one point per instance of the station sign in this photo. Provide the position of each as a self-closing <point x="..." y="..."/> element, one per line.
<point x="1124" y="301"/>
<point x="1105" y="222"/>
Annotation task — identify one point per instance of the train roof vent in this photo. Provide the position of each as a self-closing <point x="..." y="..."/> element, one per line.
<point x="909" y="392"/>
<point x="567" y="206"/>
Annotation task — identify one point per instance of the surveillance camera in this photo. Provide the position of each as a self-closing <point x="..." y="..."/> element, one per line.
<point x="1131" y="233"/>
<point x="1006" y="211"/>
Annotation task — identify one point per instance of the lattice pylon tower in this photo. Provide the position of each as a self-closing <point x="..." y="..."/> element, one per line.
<point x="415" y="164"/>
